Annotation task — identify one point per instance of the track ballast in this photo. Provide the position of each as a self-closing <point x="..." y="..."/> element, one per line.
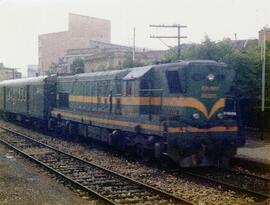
<point x="107" y="185"/>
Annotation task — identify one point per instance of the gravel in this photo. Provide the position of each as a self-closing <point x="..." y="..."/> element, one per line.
<point x="22" y="184"/>
<point x="180" y="186"/>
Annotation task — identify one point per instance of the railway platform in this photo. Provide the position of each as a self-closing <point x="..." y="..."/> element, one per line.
<point x="255" y="150"/>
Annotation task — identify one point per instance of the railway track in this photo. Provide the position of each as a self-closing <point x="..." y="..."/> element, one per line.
<point x="244" y="183"/>
<point x="250" y="164"/>
<point x="109" y="186"/>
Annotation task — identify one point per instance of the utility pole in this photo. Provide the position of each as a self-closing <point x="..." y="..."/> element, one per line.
<point x="133" y="53"/>
<point x="263" y="79"/>
<point x="178" y="37"/>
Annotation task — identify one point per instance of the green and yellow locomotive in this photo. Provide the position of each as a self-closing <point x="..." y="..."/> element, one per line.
<point x="178" y="111"/>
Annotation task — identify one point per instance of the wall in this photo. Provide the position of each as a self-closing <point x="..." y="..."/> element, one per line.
<point x="261" y="35"/>
<point x="8" y="73"/>
<point x="81" y="30"/>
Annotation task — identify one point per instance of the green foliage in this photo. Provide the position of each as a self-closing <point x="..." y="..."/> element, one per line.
<point x="77" y="66"/>
<point x="58" y="67"/>
<point x="208" y="50"/>
<point x="247" y="67"/>
<point x="129" y="63"/>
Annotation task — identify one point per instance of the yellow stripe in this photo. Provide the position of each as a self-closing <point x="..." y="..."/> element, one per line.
<point x="186" y="102"/>
<point x="213" y="129"/>
<point x="219" y="104"/>
<point x="166" y="101"/>
<point x="152" y="127"/>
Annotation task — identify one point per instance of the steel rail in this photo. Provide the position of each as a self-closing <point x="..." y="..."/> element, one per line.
<point x="148" y="189"/>
<point x="227" y="185"/>
<point x="240" y="173"/>
<point x="250" y="164"/>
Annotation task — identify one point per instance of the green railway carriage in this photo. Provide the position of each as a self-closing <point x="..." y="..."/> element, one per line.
<point x="28" y="97"/>
<point x="177" y="110"/>
<point x="2" y="99"/>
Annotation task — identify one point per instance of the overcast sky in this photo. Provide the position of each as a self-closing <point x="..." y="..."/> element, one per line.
<point x="21" y="21"/>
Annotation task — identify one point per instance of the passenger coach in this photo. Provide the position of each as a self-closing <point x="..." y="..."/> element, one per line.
<point x="28" y="99"/>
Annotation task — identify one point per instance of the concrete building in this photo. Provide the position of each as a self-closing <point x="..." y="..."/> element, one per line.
<point x="261" y="35"/>
<point x="32" y="71"/>
<point x="8" y="73"/>
<point x="81" y="29"/>
<point x="100" y="56"/>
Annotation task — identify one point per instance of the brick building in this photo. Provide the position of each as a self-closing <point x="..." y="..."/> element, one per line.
<point x="81" y="29"/>
<point x="8" y="73"/>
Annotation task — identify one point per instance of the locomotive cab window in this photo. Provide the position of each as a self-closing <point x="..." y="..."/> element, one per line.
<point x="129" y="88"/>
<point x="174" y="83"/>
<point x="145" y="87"/>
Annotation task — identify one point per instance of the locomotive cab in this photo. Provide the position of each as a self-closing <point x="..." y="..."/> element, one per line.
<point x="206" y="134"/>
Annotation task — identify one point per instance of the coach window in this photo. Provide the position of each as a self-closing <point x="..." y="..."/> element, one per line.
<point x="22" y="93"/>
<point x="174" y="83"/>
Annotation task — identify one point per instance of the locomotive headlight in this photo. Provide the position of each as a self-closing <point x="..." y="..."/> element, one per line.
<point x="196" y="116"/>
<point x="211" y="77"/>
<point x="220" y="116"/>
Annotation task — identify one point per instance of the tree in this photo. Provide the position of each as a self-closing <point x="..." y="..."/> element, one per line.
<point x="129" y="63"/>
<point x="59" y="67"/>
<point x="247" y="73"/>
<point x="77" y="66"/>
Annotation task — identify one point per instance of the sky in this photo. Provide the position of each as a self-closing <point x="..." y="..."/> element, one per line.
<point x="21" y="21"/>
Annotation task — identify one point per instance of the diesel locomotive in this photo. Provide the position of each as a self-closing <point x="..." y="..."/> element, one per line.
<point x="177" y="111"/>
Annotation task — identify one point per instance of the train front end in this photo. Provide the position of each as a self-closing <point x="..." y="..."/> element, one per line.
<point x="208" y="128"/>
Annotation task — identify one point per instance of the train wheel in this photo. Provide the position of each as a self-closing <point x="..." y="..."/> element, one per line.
<point x="143" y="153"/>
<point x="72" y="131"/>
<point x="223" y="162"/>
<point x="51" y="125"/>
<point x="63" y="132"/>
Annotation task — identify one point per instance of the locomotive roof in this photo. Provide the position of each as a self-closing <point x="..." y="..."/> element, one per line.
<point x="131" y="73"/>
<point x="103" y="75"/>
<point x="188" y="62"/>
<point x="125" y="74"/>
<point x="24" y="81"/>
<point x="137" y="72"/>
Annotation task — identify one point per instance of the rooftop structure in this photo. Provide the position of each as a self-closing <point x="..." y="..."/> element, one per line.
<point x="81" y="29"/>
<point x="8" y="73"/>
